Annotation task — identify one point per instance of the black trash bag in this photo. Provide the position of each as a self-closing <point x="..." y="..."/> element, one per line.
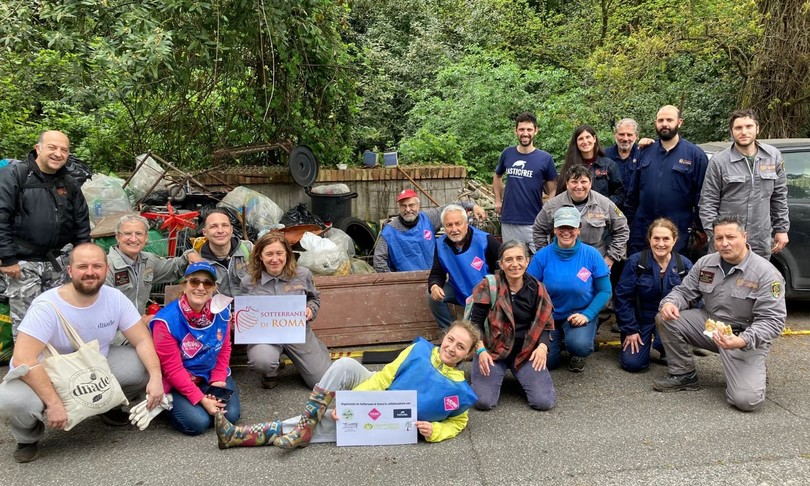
<point x="78" y="169"/>
<point x="158" y="197"/>
<point x="300" y="215"/>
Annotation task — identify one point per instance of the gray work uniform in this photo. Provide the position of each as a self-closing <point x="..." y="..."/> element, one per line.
<point x="135" y="278"/>
<point x="434" y="215"/>
<point x="230" y="273"/>
<point x="757" y="194"/>
<point x="602" y="224"/>
<point x="750" y="299"/>
<point x="311" y="358"/>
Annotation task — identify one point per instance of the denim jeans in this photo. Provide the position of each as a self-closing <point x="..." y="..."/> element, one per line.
<point x="578" y="340"/>
<point x="440" y="310"/>
<point x="193" y="419"/>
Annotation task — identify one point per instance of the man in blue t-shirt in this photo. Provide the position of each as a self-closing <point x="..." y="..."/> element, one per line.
<point x="529" y="171"/>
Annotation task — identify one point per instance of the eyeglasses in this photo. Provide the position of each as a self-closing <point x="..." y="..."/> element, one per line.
<point x="195" y="282"/>
<point x="130" y="234"/>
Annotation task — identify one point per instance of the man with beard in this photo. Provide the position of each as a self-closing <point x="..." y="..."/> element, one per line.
<point x="228" y="253"/>
<point x="463" y="256"/>
<point x="529" y="172"/>
<point x="666" y="183"/>
<point x="42" y="212"/>
<point x="27" y="397"/>
<point x="406" y="242"/>
<point x="748" y="179"/>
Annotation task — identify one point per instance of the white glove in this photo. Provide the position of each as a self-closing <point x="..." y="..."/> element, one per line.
<point x="141" y="417"/>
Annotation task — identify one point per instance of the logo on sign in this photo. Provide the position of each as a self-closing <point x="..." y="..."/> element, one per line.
<point x="584" y="274"/>
<point x="191" y="346"/>
<point x="451" y="403"/>
<point x="402" y="413"/>
<point x="90" y="386"/>
<point x="477" y="263"/>
<point x="374" y="414"/>
<point x="427" y="235"/>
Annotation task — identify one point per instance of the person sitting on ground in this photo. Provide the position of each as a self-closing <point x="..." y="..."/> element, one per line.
<point x="742" y="290"/>
<point x="463" y="256"/>
<point x="430" y="370"/>
<point x="28" y="399"/>
<point x="406" y="242"/>
<point x="273" y="271"/>
<point x="648" y="277"/>
<point x="578" y="281"/>
<point x="193" y="341"/>
<point x="516" y="329"/>
<point x="227" y="252"/>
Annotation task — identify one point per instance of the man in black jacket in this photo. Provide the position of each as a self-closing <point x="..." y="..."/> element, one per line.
<point x="42" y="209"/>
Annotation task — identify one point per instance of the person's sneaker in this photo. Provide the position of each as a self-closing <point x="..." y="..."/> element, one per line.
<point x="115" y="417"/>
<point x="26" y="452"/>
<point x="576" y="364"/>
<point x="268" y="383"/>
<point x="674" y="383"/>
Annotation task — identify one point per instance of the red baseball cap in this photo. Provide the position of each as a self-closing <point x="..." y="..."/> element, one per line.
<point x="406" y="194"/>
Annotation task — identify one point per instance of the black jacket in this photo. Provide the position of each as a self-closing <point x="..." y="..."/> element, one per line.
<point x="46" y="214"/>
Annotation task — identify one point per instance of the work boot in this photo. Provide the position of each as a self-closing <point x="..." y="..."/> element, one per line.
<point x="26" y="452"/>
<point x="674" y="383"/>
<point x="230" y="435"/>
<point x="313" y="412"/>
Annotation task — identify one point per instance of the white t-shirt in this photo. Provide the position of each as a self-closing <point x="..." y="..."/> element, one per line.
<point x="111" y="311"/>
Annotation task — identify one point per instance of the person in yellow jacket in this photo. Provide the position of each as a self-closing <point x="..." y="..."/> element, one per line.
<point x="443" y="395"/>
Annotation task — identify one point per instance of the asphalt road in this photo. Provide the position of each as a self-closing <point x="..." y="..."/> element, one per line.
<point x="609" y="427"/>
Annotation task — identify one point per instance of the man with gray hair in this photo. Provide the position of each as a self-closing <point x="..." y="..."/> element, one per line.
<point x="134" y="271"/>
<point x="406" y="242"/>
<point x="740" y="289"/>
<point x="625" y="152"/>
<point x="463" y="256"/>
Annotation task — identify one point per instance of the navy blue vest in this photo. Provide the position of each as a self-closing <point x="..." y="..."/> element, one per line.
<point x="437" y="396"/>
<point x="465" y="269"/>
<point x="412" y="249"/>
<point x="199" y="348"/>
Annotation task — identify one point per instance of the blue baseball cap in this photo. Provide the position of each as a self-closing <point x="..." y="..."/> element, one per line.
<point x="201" y="267"/>
<point x="566" y="216"/>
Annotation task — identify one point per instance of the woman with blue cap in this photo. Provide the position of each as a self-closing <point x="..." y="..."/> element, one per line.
<point x="193" y="343"/>
<point x="578" y="281"/>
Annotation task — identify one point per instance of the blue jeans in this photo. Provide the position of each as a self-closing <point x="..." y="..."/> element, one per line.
<point x="440" y="310"/>
<point x="640" y="361"/>
<point x="193" y="419"/>
<point x="578" y="340"/>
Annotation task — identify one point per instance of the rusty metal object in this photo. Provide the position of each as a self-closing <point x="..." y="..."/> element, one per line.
<point x="293" y="234"/>
<point x="235" y="152"/>
<point x="421" y="189"/>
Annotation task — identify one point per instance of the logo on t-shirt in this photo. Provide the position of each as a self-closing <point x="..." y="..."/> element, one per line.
<point x="584" y="274"/>
<point x="190" y="346"/>
<point x="451" y="403"/>
<point x="427" y="234"/>
<point x="477" y="263"/>
<point x="518" y="169"/>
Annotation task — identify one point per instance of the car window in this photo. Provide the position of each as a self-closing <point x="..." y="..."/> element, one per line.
<point x="797" y="170"/>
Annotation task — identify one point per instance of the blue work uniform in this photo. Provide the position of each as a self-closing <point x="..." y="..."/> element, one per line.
<point x="666" y="184"/>
<point x="626" y="166"/>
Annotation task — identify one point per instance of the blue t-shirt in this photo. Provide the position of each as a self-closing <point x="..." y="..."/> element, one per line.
<point x="525" y="173"/>
<point x="569" y="280"/>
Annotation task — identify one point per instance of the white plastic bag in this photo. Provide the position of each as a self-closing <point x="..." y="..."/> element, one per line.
<point x="261" y="211"/>
<point x="313" y="242"/>
<point x="326" y="262"/>
<point x="105" y="195"/>
<point x="331" y="189"/>
<point x="341" y="239"/>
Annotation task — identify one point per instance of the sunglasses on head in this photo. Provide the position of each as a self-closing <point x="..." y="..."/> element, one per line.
<point x="195" y="282"/>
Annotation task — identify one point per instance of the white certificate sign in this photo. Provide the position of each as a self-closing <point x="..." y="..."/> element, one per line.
<point x="376" y="417"/>
<point x="270" y="319"/>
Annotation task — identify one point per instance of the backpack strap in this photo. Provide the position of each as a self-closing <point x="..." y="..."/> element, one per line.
<point x="680" y="266"/>
<point x="643" y="262"/>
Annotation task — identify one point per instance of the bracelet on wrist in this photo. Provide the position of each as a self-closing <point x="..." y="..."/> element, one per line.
<point x="480" y="350"/>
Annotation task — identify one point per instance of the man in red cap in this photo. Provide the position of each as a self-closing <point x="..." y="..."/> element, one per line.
<point x="406" y="242"/>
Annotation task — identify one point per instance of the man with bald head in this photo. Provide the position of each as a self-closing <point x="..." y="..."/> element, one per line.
<point x="666" y="183"/>
<point x="42" y="210"/>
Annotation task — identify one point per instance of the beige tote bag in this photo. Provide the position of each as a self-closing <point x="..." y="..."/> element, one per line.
<point x="83" y="378"/>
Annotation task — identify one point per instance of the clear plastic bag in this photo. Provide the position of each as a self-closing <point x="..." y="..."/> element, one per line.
<point x="360" y="267"/>
<point x="105" y="196"/>
<point x="331" y="189"/>
<point x="148" y="174"/>
<point x="261" y="211"/>
<point x="333" y="262"/>
<point x="341" y="239"/>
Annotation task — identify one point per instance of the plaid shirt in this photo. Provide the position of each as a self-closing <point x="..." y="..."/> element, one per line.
<point x="499" y="330"/>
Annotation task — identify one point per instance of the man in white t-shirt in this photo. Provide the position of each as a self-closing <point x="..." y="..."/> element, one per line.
<point x="28" y="399"/>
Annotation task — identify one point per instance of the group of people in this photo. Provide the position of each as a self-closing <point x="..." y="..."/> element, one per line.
<point x="624" y="218"/>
